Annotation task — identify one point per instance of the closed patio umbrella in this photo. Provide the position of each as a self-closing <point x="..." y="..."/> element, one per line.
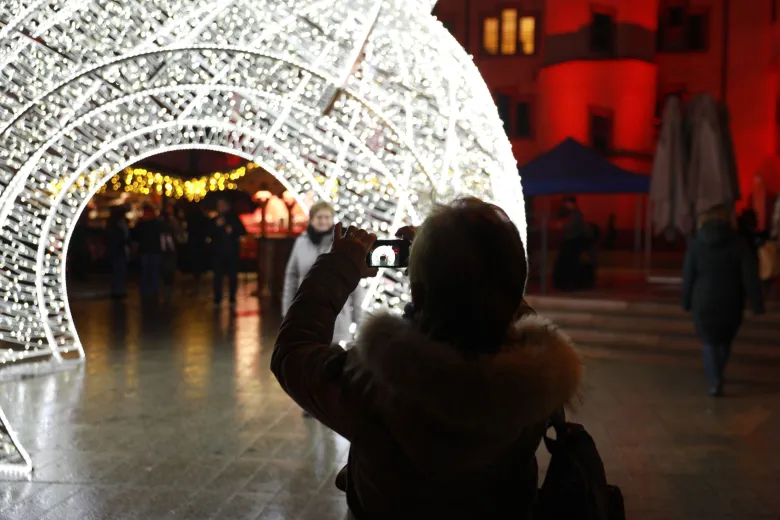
<point x="712" y="178"/>
<point x="668" y="187"/>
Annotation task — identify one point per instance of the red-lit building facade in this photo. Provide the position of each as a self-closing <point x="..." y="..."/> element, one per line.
<point x="599" y="72"/>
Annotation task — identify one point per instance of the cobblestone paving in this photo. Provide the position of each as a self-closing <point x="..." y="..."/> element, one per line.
<point x="175" y="415"/>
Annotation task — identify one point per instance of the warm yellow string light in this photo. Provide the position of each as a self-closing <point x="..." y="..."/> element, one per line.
<point x="144" y="182"/>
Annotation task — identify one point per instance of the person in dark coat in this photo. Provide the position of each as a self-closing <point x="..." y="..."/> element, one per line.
<point x="720" y="273"/>
<point x="170" y="253"/>
<point x="148" y="235"/>
<point x="747" y="225"/>
<point x="446" y="406"/>
<point x="197" y="239"/>
<point x="118" y="243"/>
<point x="569" y="271"/>
<point x="225" y="233"/>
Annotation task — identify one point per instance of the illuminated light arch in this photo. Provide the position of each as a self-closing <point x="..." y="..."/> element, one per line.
<point x="370" y="104"/>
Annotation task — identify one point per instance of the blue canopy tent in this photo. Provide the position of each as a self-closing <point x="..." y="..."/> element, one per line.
<point x="571" y="168"/>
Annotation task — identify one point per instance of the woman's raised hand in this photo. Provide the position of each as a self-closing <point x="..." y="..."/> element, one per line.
<point x="354" y="245"/>
<point x="406" y="233"/>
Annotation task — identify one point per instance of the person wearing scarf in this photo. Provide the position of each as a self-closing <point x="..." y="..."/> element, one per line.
<point x="317" y="240"/>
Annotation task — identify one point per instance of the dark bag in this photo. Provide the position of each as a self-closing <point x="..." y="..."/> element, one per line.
<point x="575" y="486"/>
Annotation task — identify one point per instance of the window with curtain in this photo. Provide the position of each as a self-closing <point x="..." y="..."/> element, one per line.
<point x="509" y="34"/>
<point x="528" y="35"/>
<point x="490" y="35"/>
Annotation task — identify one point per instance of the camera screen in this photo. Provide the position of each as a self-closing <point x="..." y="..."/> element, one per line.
<point x="389" y="254"/>
<point x="385" y="256"/>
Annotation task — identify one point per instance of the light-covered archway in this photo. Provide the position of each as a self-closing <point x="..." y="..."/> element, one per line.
<point x="370" y="104"/>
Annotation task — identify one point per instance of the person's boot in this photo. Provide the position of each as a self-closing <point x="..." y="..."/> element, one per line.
<point x="717" y="390"/>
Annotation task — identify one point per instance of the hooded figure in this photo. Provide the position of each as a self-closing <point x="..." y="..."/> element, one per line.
<point x="445" y="406"/>
<point x="720" y="273"/>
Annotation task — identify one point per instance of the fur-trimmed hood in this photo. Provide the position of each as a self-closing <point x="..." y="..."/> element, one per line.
<point x="449" y="411"/>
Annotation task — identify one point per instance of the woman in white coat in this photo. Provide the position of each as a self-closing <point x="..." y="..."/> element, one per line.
<point x="317" y="240"/>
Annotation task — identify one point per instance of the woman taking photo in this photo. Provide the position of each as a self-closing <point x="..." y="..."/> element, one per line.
<point x="446" y="406"/>
<point x="318" y="239"/>
<point x="720" y="273"/>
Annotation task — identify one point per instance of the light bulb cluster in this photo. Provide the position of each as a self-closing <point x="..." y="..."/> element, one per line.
<point x="144" y="182"/>
<point x="370" y="105"/>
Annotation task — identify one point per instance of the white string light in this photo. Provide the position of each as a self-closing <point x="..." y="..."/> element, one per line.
<point x="369" y="103"/>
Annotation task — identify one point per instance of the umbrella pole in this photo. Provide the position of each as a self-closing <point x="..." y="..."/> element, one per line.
<point x="637" y="229"/>
<point x="648" y="239"/>
<point x="543" y="267"/>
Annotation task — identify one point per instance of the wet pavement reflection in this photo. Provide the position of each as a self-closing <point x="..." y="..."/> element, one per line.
<point x="176" y="415"/>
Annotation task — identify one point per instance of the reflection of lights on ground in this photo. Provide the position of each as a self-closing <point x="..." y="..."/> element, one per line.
<point x="383" y="256"/>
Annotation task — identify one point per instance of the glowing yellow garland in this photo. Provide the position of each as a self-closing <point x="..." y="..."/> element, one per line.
<point x="144" y="182"/>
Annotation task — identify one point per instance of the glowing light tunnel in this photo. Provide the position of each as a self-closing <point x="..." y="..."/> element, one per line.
<point x="370" y="104"/>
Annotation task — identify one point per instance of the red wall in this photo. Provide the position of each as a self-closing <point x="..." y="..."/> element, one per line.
<point x="561" y="94"/>
<point x="626" y="88"/>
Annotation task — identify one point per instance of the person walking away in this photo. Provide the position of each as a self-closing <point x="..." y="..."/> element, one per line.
<point x="118" y="251"/>
<point x="720" y="272"/>
<point x="169" y="254"/>
<point x="225" y="234"/>
<point x="446" y="406"/>
<point x="747" y="225"/>
<point x="763" y="248"/>
<point x="197" y="238"/>
<point x="148" y="236"/>
<point x="317" y="240"/>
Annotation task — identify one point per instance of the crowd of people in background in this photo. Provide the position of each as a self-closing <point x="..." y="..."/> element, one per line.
<point x="170" y="242"/>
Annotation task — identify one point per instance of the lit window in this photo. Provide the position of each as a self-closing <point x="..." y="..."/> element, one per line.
<point x="509" y="34"/>
<point x="490" y="35"/>
<point x="528" y="34"/>
<point x="508" y="31"/>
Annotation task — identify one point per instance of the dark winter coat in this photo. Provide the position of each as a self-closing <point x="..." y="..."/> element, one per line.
<point x="720" y="273"/>
<point x="148" y="235"/>
<point x="118" y="240"/>
<point x="433" y="433"/>
<point x="226" y="238"/>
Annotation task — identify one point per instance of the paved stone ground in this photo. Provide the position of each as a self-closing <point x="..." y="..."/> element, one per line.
<point x="176" y="416"/>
